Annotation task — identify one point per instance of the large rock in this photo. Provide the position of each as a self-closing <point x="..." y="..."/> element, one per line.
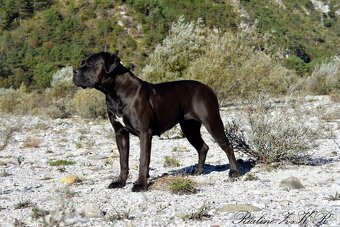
<point x="291" y="183"/>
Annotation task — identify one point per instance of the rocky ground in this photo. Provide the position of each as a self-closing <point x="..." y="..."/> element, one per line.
<point x="34" y="193"/>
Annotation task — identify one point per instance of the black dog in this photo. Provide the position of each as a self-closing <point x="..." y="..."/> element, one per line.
<point x="143" y="109"/>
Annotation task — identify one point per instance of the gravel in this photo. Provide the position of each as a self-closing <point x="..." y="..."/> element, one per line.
<point x="26" y="176"/>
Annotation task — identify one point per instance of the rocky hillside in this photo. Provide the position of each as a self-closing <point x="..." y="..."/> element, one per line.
<point x="38" y="37"/>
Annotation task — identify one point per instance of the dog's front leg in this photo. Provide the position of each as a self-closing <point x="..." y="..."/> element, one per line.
<point x="144" y="161"/>
<point x="122" y="140"/>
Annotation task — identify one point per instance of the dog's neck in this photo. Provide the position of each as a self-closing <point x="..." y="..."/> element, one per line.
<point x="121" y="84"/>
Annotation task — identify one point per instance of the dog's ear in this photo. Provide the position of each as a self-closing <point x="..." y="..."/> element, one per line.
<point x="111" y="62"/>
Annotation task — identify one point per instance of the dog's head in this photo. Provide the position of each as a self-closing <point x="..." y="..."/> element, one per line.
<point x="94" y="69"/>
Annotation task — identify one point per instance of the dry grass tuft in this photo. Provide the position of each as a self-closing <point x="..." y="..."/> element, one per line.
<point x="171" y="161"/>
<point x="7" y="134"/>
<point x="199" y="215"/>
<point x="32" y="142"/>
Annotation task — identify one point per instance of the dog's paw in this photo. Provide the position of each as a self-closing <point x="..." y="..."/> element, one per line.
<point x="139" y="187"/>
<point x="116" y="184"/>
<point x="234" y="173"/>
<point x="197" y="171"/>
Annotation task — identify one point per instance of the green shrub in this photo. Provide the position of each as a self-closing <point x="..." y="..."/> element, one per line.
<point x="250" y="177"/>
<point x="90" y="103"/>
<point x="183" y="185"/>
<point x="61" y="163"/>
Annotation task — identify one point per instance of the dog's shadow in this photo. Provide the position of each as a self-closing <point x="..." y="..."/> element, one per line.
<point x="244" y="167"/>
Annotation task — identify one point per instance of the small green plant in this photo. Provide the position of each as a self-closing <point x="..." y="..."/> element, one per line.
<point x="183" y="185"/>
<point x="334" y="197"/>
<point x="250" y="177"/>
<point x="61" y="163"/>
<point x="199" y="215"/>
<point x="170" y="162"/>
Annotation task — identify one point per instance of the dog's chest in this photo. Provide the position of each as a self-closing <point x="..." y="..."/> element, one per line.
<point x="115" y="108"/>
<point x="119" y="119"/>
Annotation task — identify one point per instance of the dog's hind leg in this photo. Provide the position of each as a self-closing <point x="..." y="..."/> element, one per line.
<point x="214" y="125"/>
<point x="191" y="130"/>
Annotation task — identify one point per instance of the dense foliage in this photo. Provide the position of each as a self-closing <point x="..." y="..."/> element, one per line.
<point x="32" y="50"/>
<point x="235" y="64"/>
<point x="308" y="35"/>
<point x="39" y="37"/>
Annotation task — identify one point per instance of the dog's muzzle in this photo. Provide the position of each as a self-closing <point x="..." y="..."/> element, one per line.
<point x="76" y="78"/>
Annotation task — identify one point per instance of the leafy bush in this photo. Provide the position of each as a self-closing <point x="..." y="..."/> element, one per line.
<point x="90" y="103"/>
<point x="234" y="65"/>
<point x="36" y="47"/>
<point x="325" y="78"/>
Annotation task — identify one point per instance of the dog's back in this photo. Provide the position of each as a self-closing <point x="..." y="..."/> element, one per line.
<point x="181" y="100"/>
